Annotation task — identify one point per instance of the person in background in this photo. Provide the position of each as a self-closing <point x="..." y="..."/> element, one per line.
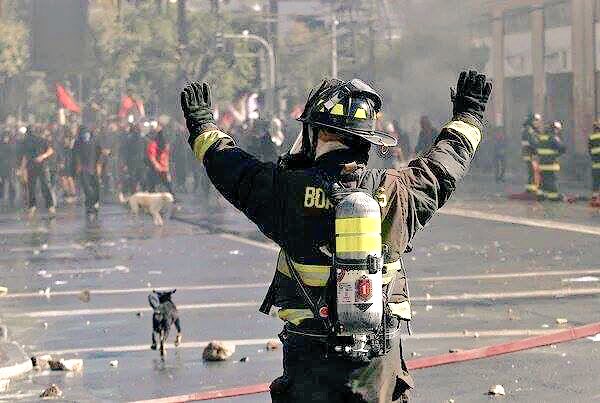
<point x="403" y="140"/>
<point x="499" y="140"/>
<point x="158" y="152"/>
<point x="132" y="151"/>
<point x="87" y="157"/>
<point x="426" y="136"/>
<point x="594" y="149"/>
<point x="33" y="155"/>
<point x="549" y="148"/>
<point x="8" y="164"/>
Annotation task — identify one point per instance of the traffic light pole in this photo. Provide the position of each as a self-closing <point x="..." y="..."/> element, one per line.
<point x="271" y="55"/>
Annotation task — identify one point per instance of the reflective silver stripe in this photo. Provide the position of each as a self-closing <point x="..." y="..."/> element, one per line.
<point x="470" y="132"/>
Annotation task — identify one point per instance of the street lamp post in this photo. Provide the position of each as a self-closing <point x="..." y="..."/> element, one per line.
<point x="248" y="36"/>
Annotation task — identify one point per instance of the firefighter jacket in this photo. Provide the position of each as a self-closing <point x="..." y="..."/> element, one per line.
<point x="594" y="148"/>
<point x="290" y="206"/>
<point x="548" y="148"/>
<point x="527" y="148"/>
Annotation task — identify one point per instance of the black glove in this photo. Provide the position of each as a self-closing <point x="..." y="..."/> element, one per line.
<point x="471" y="96"/>
<point x="197" y="109"/>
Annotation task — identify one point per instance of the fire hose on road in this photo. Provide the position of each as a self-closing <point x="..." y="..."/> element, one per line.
<point x="419" y="363"/>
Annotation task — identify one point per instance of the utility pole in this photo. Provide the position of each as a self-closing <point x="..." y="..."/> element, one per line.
<point x="181" y="23"/>
<point x="272" y="38"/>
<point x="334" y="52"/>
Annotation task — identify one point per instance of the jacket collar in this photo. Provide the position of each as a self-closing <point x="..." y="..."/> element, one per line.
<point x="334" y="161"/>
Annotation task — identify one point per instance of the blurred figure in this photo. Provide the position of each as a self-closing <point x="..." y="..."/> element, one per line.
<point x="158" y="153"/>
<point x="66" y="167"/>
<point x="528" y="150"/>
<point x="8" y="164"/>
<point x="403" y="140"/>
<point x="34" y="154"/>
<point x="426" y="136"/>
<point x="499" y="154"/>
<point x="594" y="149"/>
<point x="87" y="157"/>
<point x="132" y="151"/>
<point x="549" y="148"/>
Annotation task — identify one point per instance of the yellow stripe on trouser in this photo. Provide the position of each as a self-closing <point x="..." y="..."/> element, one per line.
<point x="357" y="225"/>
<point x="470" y="132"/>
<point x="205" y="140"/>
<point x="546" y="151"/>
<point x="295" y="316"/>
<point x="595" y="136"/>
<point x="549" y="167"/>
<point x="531" y="187"/>
<point x="595" y="150"/>
<point x="596" y="165"/>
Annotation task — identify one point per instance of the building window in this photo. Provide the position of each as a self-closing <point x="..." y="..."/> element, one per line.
<point x="557" y="15"/>
<point x="516" y="21"/>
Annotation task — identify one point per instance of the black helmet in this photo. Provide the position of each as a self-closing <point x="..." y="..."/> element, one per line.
<point x="348" y="109"/>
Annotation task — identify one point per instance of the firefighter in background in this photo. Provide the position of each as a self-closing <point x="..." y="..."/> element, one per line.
<point x="548" y="148"/>
<point x="528" y="151"/>
<point x="594" y="148"/>
<point x="297" y="203"/>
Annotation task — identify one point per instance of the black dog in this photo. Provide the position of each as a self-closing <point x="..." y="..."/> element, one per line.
<point x="165" y="315"/>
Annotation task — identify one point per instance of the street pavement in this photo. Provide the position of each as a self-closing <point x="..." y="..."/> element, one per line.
<point x="504" y="275"/>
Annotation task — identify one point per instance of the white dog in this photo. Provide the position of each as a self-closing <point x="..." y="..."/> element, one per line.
<point x="153" y="203"/>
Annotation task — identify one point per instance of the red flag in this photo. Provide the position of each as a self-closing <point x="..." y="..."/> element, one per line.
<point x="127" y="103"/>
<point x="66" y="100"/>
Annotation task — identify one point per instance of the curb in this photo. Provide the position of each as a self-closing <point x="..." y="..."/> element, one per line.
<point x="17" y="363"/>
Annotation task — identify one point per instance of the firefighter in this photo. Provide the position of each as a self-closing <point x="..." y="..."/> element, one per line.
<point x="548" y="148"/>
<point x="304" y="203"/>
<point x="594" y="148"/>
<point x="528" y="151"/>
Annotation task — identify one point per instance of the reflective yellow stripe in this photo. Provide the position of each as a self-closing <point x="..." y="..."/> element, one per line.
<point x="205" y="140"/>
<point x="526" y="158"/>
<point x="595" y="150"/>
<point x="358" y="243"/>
<point x="596" y="165"/>
<point x="551" y="195"/>
<point x="357" y="225"/>
<point x="543" y="137"/>
<point x="360" y="113"/>
<point x="549" y="167"/>
<point x="546" y="151"/>
<point x="390" y="271"/>
<point x="338" y="109"/>
<point x="470" y="132"/>
<point x="525" y="143"/>
<point x="531" y="188"/>
<point x="401" y="309"/>
<point x="294" y="316"/>
<point x="595" y="136"/>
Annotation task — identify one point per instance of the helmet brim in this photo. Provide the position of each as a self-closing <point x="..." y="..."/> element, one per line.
<point x="376" y="137"/>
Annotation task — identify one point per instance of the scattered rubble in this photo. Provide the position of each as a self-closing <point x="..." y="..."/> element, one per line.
<point x="51" y="391"/>
<point x="85" y="296"/>
<point x="139" y="314"/>
<point x="562" y="321"/>
<point x="244" y="359"/>
<point x="4" y="384"/>
<point x="41" y="362"/>
<point x="272" y="345"/>
<point x="595" y="337"/>
<point x="415" y="354"/>
<point x="234" y="252"/>
<point x="428" y="307"/>
<point x="455" y="350"/>
<point x="60" y="282"/>
<point x="74" y="365"/>
<point x="218" y="351"/>
<point x="497" y="390"/>
<point x="114" y="363"/>
<point x="3" y="291"/>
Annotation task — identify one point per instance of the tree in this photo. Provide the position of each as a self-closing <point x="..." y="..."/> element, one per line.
<point x="14" y="48"/>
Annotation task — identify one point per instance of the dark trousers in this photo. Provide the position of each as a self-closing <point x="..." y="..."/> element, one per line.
<point x="154" y="178"/>
<point x="312" y="372"/>
<point x="91" y="189"/>
<point x="499" y="166"/>
<point x="7" y="180"/>
<point x="549" y="188"/>
<point x="41" y="174"/>
<point x="596" y="180"/>
<point x="531" y="187"/>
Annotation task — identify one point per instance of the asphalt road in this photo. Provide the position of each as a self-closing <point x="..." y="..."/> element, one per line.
<point x="486" y="276"/>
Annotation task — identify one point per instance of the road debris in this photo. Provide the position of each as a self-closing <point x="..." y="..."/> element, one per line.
<point x="428" y="308"/>
<point x="244" y="359"/>
<point x="60" y="282"/>
<point x="114" y="363"/>
<point x="44" y="274"/>
<point x="562" y="321"/>
<point x="84" y="296"/>
<point x="218" y="351"/>
<point x="73" y="365"/>
<point x="585" y="279"/>
<point x="51" y="391"/>
<point x="455" y="350"/>
<point x="497" y="390"/>
<point x="595" y="337"/>
<point x="234" y="252"/>
<point x="272" y="345"/>
<point x="41" y="362"/>
<point x="3" y="290"/>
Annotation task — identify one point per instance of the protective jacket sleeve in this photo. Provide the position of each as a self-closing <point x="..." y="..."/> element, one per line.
<point x="246" y="182"/>
<point x="410" y="197"/>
